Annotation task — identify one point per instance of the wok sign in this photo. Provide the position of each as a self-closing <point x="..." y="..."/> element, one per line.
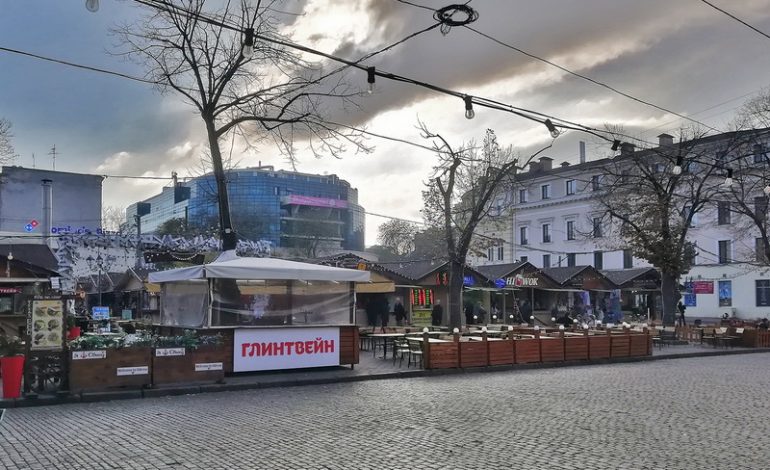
<point x="285" y="348"/>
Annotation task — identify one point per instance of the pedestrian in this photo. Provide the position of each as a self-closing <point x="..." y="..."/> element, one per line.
<point x="371" y="313"/>
<point x="399" y="311"/>
<point x="437" y="314"/>
<point x="468" y="310"/>
<point x="681" y="307"/>
<point x="384" y="312"/>
<point x="481" y="313"/>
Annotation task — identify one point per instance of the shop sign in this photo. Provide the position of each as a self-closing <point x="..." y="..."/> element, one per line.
<point x="468" y="281"/>
<point x="702" y="287"/>
<point x="45" y="324"/>
<point x="500" y="283"/>
<point x="81" y="355"/>
<point x="10" y="290"/>
<point x="138" y="370"/>
<point x="521" y="281"/>
<point x="207" y="366"/>
<point x="285" y="348"/>
<point x="100" y="313"/>
<point x="168" y="352"/>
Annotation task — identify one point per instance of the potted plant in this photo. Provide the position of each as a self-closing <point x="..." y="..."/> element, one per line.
<point x="187" y="358"/>
<point x="11" y="365"/>
<point x="101" y="362"/>
<point x="73" y="330"/>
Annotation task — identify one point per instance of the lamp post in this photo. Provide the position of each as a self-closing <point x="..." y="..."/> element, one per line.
<point x="97" y="263"/>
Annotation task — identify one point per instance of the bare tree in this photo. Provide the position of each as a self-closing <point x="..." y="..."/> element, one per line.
<point x="398" y="236"/>
<point x="270" y="92"/>
<point x="113" y="218"/>
<point x="7" y="153"/>
<point x="467" y="186"/>
<point x="652" y="197"/>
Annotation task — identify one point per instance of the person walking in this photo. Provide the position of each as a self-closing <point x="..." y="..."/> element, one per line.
<point x="681" y="307"/>
<point x="399" y="312"/>
<point x="437" y="314"/>
<point x="384" y="312"/>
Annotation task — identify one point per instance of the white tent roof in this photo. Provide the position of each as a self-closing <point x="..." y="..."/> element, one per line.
<point x="229" y="266"/>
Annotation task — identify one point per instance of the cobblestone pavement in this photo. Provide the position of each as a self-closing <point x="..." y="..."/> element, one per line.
<point x="700" y="413"/>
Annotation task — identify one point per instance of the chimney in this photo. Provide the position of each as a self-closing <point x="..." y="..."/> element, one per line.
<point x="564" y="164"/>
<point x="582" y="152"/>
<point x="47" y="210"/>
<point x="665" y="140"/>
<point x="546" y="163"/>
<point x="534" y="167"/>
<point x="626" y="148"/>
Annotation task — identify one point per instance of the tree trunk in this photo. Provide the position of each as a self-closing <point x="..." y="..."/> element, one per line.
<point x="669" y="290"/>
<point x="226" y="232"/>
<point x="456" y="272"/>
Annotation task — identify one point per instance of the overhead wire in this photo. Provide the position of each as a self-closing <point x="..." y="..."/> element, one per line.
<point x="756" y="30"/>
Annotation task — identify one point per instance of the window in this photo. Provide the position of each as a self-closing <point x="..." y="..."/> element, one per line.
<point x="595" y="183"/>
<point x="490" y="253"/>
<point x="545" y="191"/>
<point x="522" y="195"/>
<point x="628" y="259"/>
<point x="724" y="251"/>
<point x="524" y="259"/>
<point x="500" y="252"/>
<point x="597" y="225"/>
<point x="759" y="249"/>
<point x="570" y="187"/>
<point x="570" y="230"/>
<point x="763" y="292"/>
<point x="570" y="259"/>
<point x="759" y="154"/>
<point x="546" y="233"/>
<point x="723" y="212"/>
<point x="546" y="261"/>
<point x="760" y="207"/>
<point x="523" y="235"/>
<point x="598" y="260"/>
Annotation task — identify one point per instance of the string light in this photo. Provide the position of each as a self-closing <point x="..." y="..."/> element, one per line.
<point x="248" y="44"/>
<point x="92" y="5"/>
<point x="469" y="113"/>
<point x="370" y="75"/>
<point x="551" y="128"/>
<point x="729" y="180"/>
<point x="678" y="167"/>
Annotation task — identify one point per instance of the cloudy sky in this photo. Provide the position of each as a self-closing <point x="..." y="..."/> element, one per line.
<point x="682" y="55"/>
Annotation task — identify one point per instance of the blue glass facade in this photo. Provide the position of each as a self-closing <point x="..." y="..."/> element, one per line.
<point x="278" y="206"/>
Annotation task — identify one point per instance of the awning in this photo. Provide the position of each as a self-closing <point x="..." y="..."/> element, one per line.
<point x="375" y="287"/>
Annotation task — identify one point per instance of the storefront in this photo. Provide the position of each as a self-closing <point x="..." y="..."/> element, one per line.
<point x="584" y="290"/>
<point x="522" y="290"/>
<point x="639" y="292"/>
<point x="275" y="314"/>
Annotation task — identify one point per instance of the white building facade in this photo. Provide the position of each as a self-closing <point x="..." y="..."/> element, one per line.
<point x="555" y="221"/>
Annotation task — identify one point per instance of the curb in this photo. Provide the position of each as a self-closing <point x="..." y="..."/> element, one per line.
<point x="92" y="397"/>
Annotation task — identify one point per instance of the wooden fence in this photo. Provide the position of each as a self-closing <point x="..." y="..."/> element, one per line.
<point x="748" y="337"/>
<point x="556" y="347"/>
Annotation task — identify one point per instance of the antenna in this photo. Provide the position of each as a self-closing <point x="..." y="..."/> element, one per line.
<point x="53" y="153"/>
<point x="33" y="159"/>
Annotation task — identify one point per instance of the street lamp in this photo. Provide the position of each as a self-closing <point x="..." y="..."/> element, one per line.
<point x="97" y="263"/>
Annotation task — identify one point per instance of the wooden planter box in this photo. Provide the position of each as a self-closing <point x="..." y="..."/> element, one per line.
<point x="639" y="345"/>
<point x="576" y="348"/>
<point x="443" y="356"/>
<point x="527" y="350"/>
<point x="349" y="343"/>
<point x="598" y="347"/>
<point x="473" y="353"/>
<point x="552" y="349"/>
<point x="180" y="365"/>
<point x="106" y="369"/>
<point x="500" y="353"/>
<point x="619" y="346"/>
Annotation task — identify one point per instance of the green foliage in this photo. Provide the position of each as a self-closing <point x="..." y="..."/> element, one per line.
<point x="10" y="346"/>
<point x="189" y="339"/>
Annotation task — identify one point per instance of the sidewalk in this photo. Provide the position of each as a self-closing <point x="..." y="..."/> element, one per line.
<point x="369" y="368"/>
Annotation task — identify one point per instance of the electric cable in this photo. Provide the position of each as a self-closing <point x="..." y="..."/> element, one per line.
<point x="736" y="18"/>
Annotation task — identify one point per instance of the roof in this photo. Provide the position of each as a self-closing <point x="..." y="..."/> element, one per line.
<point x="37" y="254"/>
<point x="416" y="270"/>
<point x="351" y="260"/>
<point x="498" y="271"/>
<point x="564" y="274"/>
<point x="622" y="276"/>
<point x="230" y="266"/>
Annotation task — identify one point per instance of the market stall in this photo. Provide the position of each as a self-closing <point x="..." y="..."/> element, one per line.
<point x="273" y="314"/>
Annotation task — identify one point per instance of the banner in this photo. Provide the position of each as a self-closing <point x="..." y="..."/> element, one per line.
<point x="702" y="287"/>
<point x="285" y="348"/>
<point x="725" y="293"/>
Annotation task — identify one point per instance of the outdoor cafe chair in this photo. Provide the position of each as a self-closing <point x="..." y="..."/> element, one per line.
<point x="400" y="349"/>
<point x="415" y="351"/>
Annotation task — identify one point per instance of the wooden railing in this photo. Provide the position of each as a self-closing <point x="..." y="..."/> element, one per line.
<point x="518" y="349"/>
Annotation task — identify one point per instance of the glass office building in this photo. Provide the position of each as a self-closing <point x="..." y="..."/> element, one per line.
<point x="287" y="208"/>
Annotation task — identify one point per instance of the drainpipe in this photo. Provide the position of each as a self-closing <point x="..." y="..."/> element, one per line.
<point x="47" y="210"/>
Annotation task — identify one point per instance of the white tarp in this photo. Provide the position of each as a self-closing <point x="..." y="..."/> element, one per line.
<point x="229" y="266"/>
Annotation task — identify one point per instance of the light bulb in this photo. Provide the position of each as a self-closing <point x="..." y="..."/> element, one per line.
<point x="553" y="318"/>
<point x="248" y="51"/>
<point x="555" y="133"/>
<point x="510" y="327"/>
<point x="370" y="88"/>
<point x="370" y="77"/>
<point x="92" y="5"/>
<point x="574" y="320"/>
<point x="510" y="316"/>
<point x="531" y="317"/>
<point x="677" y="170"/>
<point x="469" y="113"/>
<point x="475" y="317"/>
<point x="561" y="327"/>
<point x="425" y="330"/>
<point x="456" y="330"/>
<point x="483" y="329"/>
<point x="537" y="328"/>
<point x="585" y="326"/>
<point x="767" y="189"/>
<point x="494" y="317"/>
<point x="10" y="256"/>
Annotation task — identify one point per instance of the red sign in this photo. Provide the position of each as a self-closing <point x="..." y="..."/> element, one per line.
<point x="702" y="287"/>
<point x="10" y="290"/>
